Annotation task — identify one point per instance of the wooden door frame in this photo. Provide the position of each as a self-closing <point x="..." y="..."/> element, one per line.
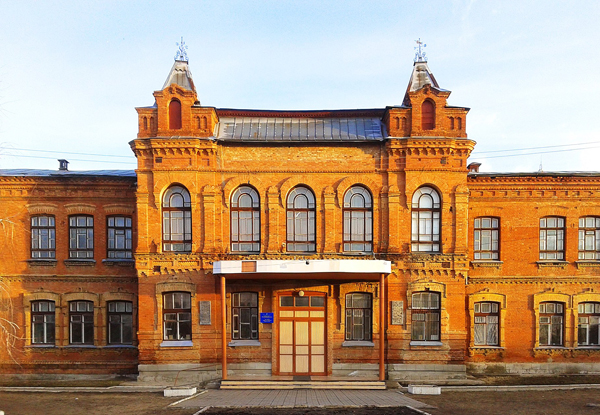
<point x="295" y="293"/>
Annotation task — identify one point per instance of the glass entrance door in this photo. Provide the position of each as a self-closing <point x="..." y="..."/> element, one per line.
<point x="302" y="334"/>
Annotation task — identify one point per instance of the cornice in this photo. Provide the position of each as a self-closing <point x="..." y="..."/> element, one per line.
<point x="71" y="279"/>
<point x="588" y="279"/>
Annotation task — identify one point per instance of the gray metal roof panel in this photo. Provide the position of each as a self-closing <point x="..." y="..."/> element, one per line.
<point x="288" y="129"/>
<point x="60" y="173"/>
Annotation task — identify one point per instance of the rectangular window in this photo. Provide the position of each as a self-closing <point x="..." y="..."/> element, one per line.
<point x="426" y="316"/>
<point x="589" y="238"/>
<point x="244" y="316"/>
<point x="119" y="237"/>
<point x="43" y="242"/>
<point x="177" y="316"/>
<point x="120" y="322"/>
<point x="552" y="237"/>
<point x="358" y="316"/>
<point x="588" y="333"/>
<point x="81" y="322"/>
<point x="486" y="243"/>
<point x="487" y="318"/>
<point x="551" y="324"/>
<point x="81" y="237"/>
<point x="42" y="322"/>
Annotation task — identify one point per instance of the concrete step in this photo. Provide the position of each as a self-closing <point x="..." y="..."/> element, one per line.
<point x="294" y="384"/>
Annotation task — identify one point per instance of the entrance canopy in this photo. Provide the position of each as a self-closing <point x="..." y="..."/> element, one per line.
<point x="303" y="266"/>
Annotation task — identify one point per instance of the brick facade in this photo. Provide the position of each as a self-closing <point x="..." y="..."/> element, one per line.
<point x="421" y="148"/>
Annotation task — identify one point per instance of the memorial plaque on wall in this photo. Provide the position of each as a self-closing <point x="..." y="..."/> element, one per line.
<point x="204" y="307"/>
<point x="397" y="312"/>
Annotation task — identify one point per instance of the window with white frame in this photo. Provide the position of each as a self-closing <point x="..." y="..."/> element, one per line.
<point x="43" y="239"/>
<point x="358" y="220"/>
<point x="486" y="242"/>
<point x="42" y="322"/>
<point x="487" y="323"/>
<point x="81" y="322"/>
<point x="301" y="220"/>
<point x="177" y="220"/>
<point x="551" y="324"/>
<point x="359" y="316"/>
<point x="177" y="316"/>
<point x="244" y="316"/>
<point x="588" y="333"/>
<point x="245" y="220"/>
<point x="426" y="213"/>
<point x="425" y="311"/>
<point x="552" y="238"/>
<point x="119" y="237"/>
<point x="81" y="237"/>
<point x="589" y="238"/>
<point x="120" y="322"/>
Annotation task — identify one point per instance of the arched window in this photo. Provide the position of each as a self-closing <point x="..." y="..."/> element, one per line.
<point x="301" y="220"/>
<point x="177" y="220"/>
<point x="552" y="238"/>
<point x="81" y="322"/>
<point x="428" y="115"/>
<point x="426" y="211"/>
<point x="120" y="322"/>
<point x="589" y="238"/>
<point x="245" y="220"/>
<point x="177" y="316"/>
<point x="175" y="115"/>
<point x="358" y="220"/>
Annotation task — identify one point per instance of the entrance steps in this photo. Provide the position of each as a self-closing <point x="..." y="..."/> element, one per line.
<point x="281" y="384"/>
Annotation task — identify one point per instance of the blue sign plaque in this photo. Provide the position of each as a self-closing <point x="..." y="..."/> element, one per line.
<point x="266" y="318"/>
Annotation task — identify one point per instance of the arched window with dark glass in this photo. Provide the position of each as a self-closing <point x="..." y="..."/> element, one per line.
<point x="42" y="322"/>
<point x="301" y="220"/>
<point x="245" y="220"/>
<point x="551" y="324"/>
<point x="428" y="115"/>
<point x="358" y="220"/>
<point x="177" y="220"/>
<point x="426" y="212"/>
<point x="175" y="114"/>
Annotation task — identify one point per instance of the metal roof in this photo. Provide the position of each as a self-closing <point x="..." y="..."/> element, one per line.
<point x="538" y="174"/>
<point x="59" y="173"/>
<point x="290" y="129"/>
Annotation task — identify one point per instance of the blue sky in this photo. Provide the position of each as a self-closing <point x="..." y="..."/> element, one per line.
<point x="72" y="72"/>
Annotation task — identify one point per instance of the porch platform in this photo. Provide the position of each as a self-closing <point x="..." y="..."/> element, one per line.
<point x="301" y="382"/>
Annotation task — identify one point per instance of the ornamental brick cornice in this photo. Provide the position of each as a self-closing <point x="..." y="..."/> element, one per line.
<point x="501" y="279"/>
<point x="71" y="279"/>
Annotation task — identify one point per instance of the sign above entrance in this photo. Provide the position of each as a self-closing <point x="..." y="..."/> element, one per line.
<point x="268" y="266"/>
<point x="266" y="318"/>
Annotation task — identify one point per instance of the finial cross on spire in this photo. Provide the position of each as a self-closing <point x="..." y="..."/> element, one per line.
<point x="181" y="54"/>
<point x="420" y="55"/>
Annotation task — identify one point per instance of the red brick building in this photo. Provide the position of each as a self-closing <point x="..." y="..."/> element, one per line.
<point x="333" y="242"/>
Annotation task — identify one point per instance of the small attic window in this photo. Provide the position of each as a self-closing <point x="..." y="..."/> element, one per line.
<point x="175" y="115"/>
<point x="428" y="115"/>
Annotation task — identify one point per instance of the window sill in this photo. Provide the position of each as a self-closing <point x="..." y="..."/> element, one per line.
<point x="426" y="343"/>
<point x="487" y="263"/>
<point x="177" y="343"/>
<point x="42" y="262"/>
<point x="119" y="262"/>
<point x="488" y="347"/>
<point x="587" y="264"/>
<point x="244" y="343"/>
<point x="41" y="346"/>
<point x="80" y="262"/>
<point x="81" y="346"/>
<point x="552" y="263"/>
<point x="551" y="348"/>
<point x="357" y="343"/>
<point x="120" y="346"/>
